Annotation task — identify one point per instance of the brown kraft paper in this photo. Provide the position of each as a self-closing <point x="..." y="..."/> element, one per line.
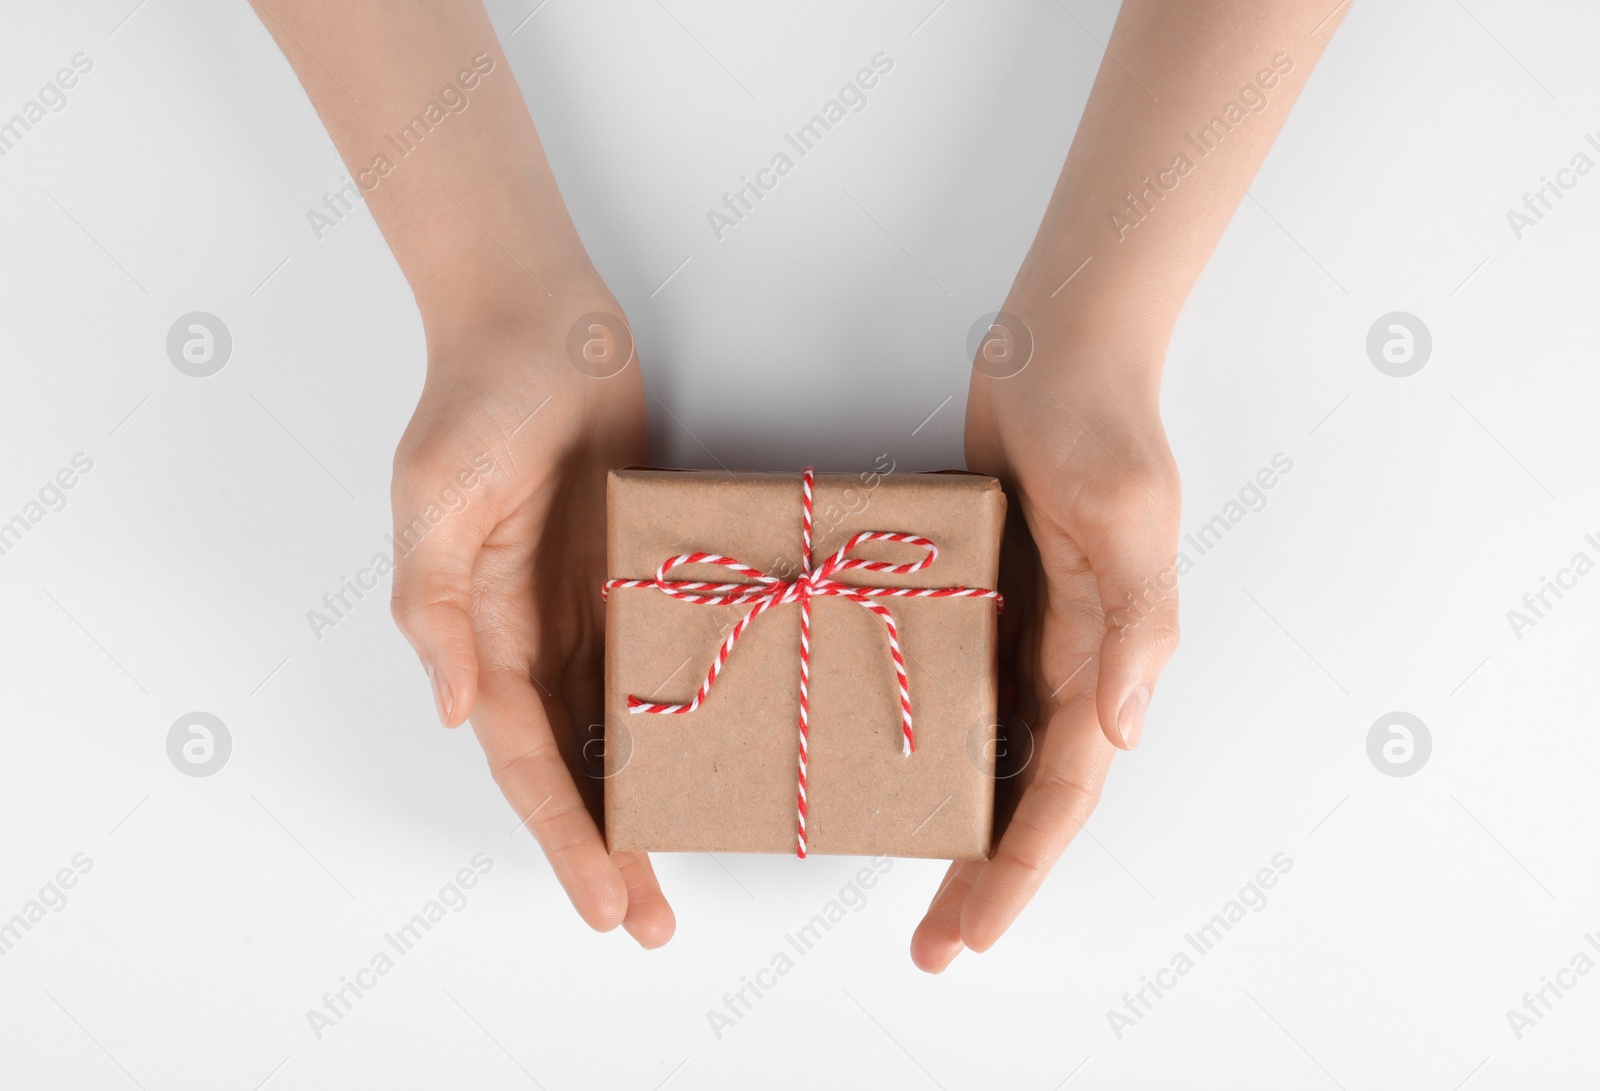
<point x="723" y="778"/>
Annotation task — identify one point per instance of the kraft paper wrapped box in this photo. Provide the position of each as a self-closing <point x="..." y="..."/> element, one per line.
<point x="724" y="777"/>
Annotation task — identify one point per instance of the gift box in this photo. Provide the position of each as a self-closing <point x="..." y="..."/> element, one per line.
<point x="727" y="732"/>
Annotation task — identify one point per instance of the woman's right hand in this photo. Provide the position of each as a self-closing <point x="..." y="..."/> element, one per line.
<point x="499" y="511"/>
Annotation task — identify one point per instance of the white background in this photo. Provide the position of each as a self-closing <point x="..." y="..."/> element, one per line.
<point x="177" y="578"/>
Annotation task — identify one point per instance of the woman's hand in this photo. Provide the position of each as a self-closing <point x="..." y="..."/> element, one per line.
<point x="1091" y="594"/>
<point x="499" y="510"/>
<point x="499" y="483"/>
<point x="1091" y="606"/>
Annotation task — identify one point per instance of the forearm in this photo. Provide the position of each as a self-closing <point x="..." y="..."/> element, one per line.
<point x="422" y="105"/>
<point x="1187" y="103"/>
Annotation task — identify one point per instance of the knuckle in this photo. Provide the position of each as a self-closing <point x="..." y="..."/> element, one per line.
<point x="418" y="458"/>
<point x="1026" y="861"/>
<point x="526" y="768"/>
<point x="1071" y="797"/>
<point x="404" y="610"/>
<point x="1082" y="702"/>
<point x="1116" y="498"/>
<point x="563" y="830"/>
<point x="503" y="767"/>
<point x="1164" y="638"/>
<point x="416" y="605"/>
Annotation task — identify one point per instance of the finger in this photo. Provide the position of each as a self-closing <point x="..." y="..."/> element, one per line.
<point x="512" y="725"/>
<point x="1071" y="771"/>
<point x="937" y="940"/>
<point x="1131" y="554"/>
<point x="649" y="919"/>
<point x="435" y="548"/>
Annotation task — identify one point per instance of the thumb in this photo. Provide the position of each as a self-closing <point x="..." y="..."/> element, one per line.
<point x="434" y="552"/>
<point x="1132" y="560"/>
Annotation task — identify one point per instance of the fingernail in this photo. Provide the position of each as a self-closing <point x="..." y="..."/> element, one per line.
<point x="441" y="695"/>
<point x="1130" y="721"/>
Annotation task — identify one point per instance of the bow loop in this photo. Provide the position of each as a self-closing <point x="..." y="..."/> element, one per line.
<point x="842" y="561"/>
<point x="758" y="585"/>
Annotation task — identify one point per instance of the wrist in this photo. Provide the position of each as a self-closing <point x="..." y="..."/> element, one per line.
<point x="1117" y="302"/>
<point x="514" y="347"/>
<point x="467" y="294"/>
<point x="1089" y="345"/>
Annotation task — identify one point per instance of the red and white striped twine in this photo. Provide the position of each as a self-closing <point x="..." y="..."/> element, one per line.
<point x="762" y="592"/>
